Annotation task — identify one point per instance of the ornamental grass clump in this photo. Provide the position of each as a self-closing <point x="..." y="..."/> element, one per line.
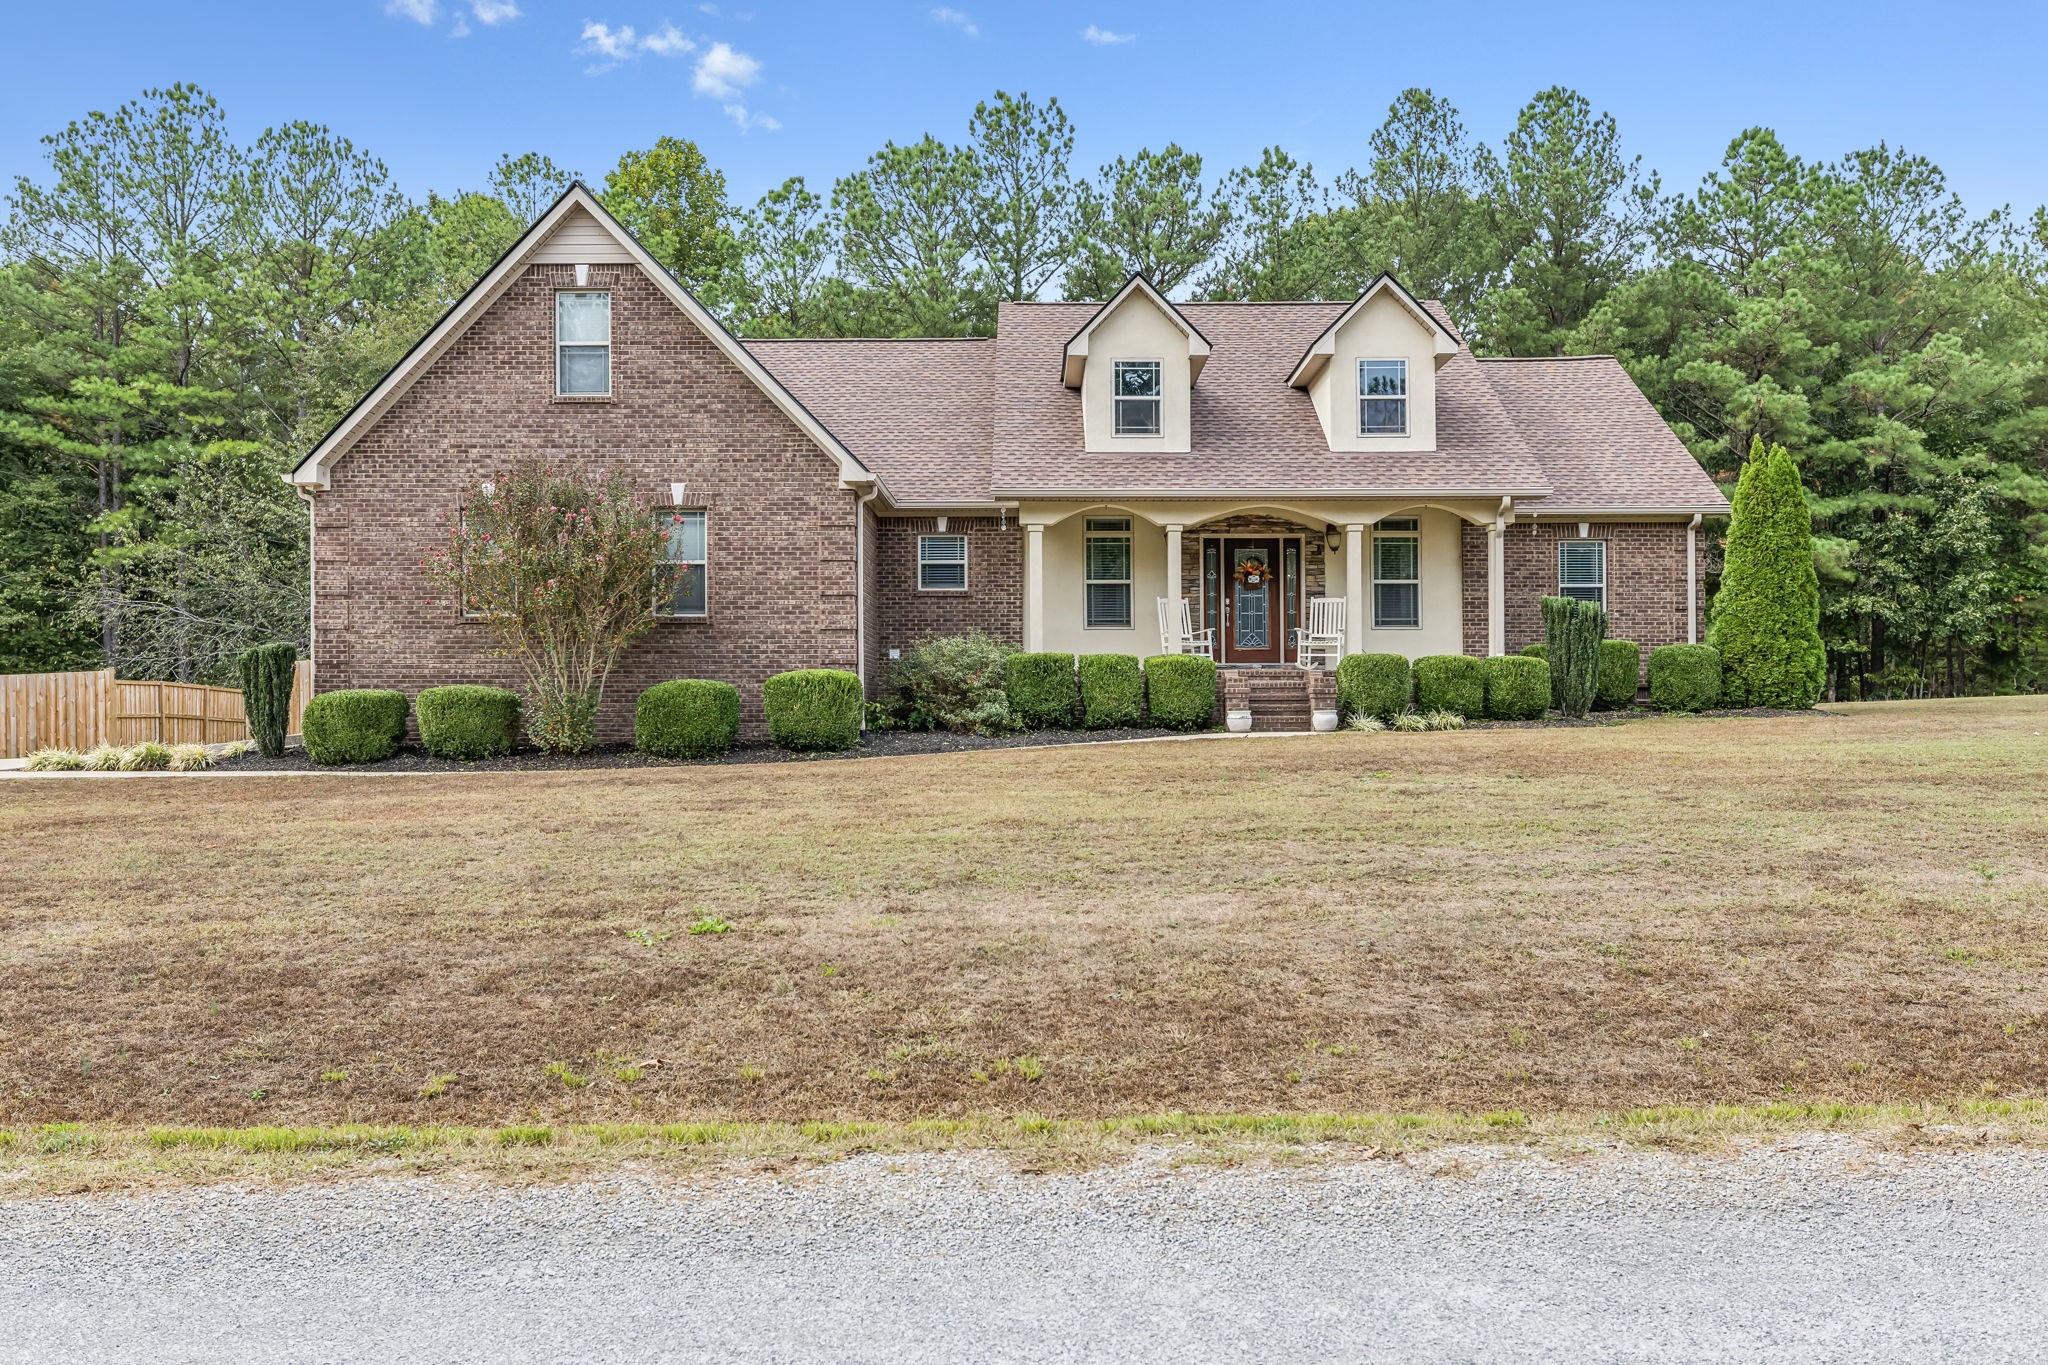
<point x="813" y="709"/>
<point x="55" y="761"/>
<point x="466" y="721"/>
<point x="556" y="561"/>
<point x="190" y="758"/>
<point x="687" y="718"/>
<point x="953" y="682"/>
<point x="267" y="672"/>
<point x="1376" y="685"/>
<point x="146" y="757"/>
<point x="1572" y="632"/>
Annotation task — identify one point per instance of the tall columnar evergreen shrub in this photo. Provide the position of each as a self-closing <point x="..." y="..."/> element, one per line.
<point x="1621" y="671"/>
<point x="1042" y="689"/>
<point x="1112" y="690"/>
<point x="1180" y="691"/>
<point x="813" y="708"/>
<point x="1376" y="685"/>
<point x="1572" y="633"/>
<point x="267" y="694"/>
<point x="1450" y="682"/>
<point x="1766" y="617"/>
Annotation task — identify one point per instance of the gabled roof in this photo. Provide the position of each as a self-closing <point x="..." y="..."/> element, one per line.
<point x="1324" y="346"/>
<point x="313" y="471"/>
<point x="1076" y="356"/>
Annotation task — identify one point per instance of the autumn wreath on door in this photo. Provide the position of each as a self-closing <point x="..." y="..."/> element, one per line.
<point x="1251" y="572"/>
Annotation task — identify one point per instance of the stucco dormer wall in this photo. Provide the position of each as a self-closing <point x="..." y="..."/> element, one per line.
<point x="1137" y="330"/>
<point x="1382" y="329"/>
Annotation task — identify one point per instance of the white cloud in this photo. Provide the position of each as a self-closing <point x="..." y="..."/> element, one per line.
<point x="944" y="15"/>
<point x="747" y="120"/>
<point x="494" y="11"/>
<point x="669" y="42"/>
<point x="1102" y="37"/>
<point x="419" y="11"/>
<point x="722" y="73"/>
<point x="614" y="45"/>
<point x="460" y="28"/>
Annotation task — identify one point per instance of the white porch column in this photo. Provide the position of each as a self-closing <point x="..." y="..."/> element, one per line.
<point x="1173" y="578"/>
<point x="1692" y="581"/>
<point x="1354" y="587"/>
<point x="1496" y="611"/>
<point x="1034" y="588"/>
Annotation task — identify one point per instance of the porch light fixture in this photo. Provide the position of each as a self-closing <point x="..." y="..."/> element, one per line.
<point x="1330" y="535"/>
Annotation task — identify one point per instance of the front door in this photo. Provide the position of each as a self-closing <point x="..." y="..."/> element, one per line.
<point x="1253" y="628"/>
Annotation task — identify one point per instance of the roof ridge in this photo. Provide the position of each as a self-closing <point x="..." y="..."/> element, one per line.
<point x="1596" y="355"/>
<point x="754" y="341"/>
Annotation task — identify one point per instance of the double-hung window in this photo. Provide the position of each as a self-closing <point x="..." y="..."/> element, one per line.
<point x="681" y="562"/>
<point x="1383" y="398"/>
<point x="583" y="343"/>
<point x="1108" y="604"/>
<point x="1137" y="397"/>
<point x="941" y="563"/>
<point x="1582" y="570"/>
<point x="1397" y="574"/>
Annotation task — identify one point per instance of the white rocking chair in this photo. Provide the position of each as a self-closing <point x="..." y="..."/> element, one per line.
<point x="1323" y="637"/>
<point x="1177" y="633"/>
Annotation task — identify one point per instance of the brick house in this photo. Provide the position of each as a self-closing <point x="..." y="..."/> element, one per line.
<point x="1061" y="485"/>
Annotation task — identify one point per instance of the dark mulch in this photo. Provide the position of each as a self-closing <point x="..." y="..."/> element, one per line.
<point x="875" y="744"/>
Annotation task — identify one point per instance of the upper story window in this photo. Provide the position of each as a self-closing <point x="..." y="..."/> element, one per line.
<point x="1582" y="570"/>
<point x="1137" y="397"/>
<point x="583" y="342"/>
<point x="1397" y="574"/>
<point x="681" y="562"/>
<point x="1383" y="398"/>
<point x="941" y="563"/>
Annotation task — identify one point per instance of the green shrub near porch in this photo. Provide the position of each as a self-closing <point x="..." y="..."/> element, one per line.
<point x="1537" y="651"/>
<point x="466" y="721"/>
<point x="1685" y="677"/>
<point x="1517" y="687"/>
<point x="1180" y="691"/>
<point x="355" y="725"/>
<point x="1376" y="685"/>
<point x="813" y="709"/>
<point x="1621" y="671"/>
<point x="687" y="718"/>
<point x="1043" y="693"/>
<point x="1450" y="682"/>
<point x="1112" y="690"/>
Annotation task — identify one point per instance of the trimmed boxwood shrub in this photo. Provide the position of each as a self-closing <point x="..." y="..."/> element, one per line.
<point x="1376" y="685"/>
<point x="1112" y="690"/>
<point x="1537" y="651"/>
<point x="1517" y="687"/>
<point x="466" y="721"/>
<point x="357" y="725"/>
<point x="1042" y="690"/>
<point x="813" y="708"/>
<point x="1180" y="691"/>
<point x="1621" y="665"/>
<point x="1685" y="677"/>
<point x="1450" y="682"/>
<point x="687" y="718"/>
<point x="267" y="672"/>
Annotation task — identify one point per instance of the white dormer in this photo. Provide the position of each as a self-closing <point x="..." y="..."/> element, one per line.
<point x="1372" y="373"/>
<point x="1134" y="363"/>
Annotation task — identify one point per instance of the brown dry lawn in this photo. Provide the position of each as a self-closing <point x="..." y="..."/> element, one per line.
<point x="1844" y="907"/>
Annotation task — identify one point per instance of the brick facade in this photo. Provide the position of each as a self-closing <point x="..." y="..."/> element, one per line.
<point x="1646" y="587"/>
<point x="782" y="532"/>
<point x="993" y="600"/>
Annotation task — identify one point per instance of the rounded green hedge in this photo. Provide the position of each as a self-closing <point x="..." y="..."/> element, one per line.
<point x="1685" y="677"/>
<point x="466" y="721"/>
<point x="1537" y="651"/>
<point x="687" y="718"/>
<point x="1042" y="691"/>
<point x="1450" y="682"/>
<point x="1621" y="664"/>
<point x="1517" y="687"/>
<point x="1180" y="691"/>
<point x="1377" y="685"/>
<point x="1112" y="690"/>
<point x="813" y="708"/>
<point x="357" y="725"/>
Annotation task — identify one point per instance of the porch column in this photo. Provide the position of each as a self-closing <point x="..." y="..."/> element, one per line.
<point x="1173" y="583"/>
<point x="1496" y="613"/>
<point x="1354" y="587"/>
<point x="1034" y="588"/>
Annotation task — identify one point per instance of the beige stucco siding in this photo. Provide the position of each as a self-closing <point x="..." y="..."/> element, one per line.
<point x="1066" y="591"/>
<point x="1137" y="330"/>
<point x="1442" y="628"/>
<point x="1383" y="329"/>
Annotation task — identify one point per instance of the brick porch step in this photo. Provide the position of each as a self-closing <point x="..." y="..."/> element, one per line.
<point x="1278" y="698"/>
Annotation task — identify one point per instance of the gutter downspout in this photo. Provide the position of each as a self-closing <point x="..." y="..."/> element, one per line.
<point x="1692" y="581"/>
<point x="312" y="581"/>
<point x="861" y="503"/>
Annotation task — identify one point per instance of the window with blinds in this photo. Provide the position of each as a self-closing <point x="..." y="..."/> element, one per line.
<point x="941" y="563"/>
<point x="681" y="568"/>
<point x="1582" y="570"/>
<point x="1397" y="574"/>
<point x="1108" y="586"/>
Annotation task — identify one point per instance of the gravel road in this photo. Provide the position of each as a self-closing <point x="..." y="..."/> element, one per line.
<point x="1823" y="1250"/>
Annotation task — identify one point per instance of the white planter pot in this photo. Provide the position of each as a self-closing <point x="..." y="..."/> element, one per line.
<point x="1237" y="722"/>
<point x="1322" y="722"/>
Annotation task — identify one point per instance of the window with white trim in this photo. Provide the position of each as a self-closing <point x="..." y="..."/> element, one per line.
<point x="481" y="547"/>
<point x="941" y="563"/>
<point x="1137" y="397"/>
<point x="1582" y="570"/>
<point x="1383" y="398"/>
<point x="1397" y="574"/>
<point x="682" y="562"/>
<point x="1108" y="569"/>
<point x="583" y="343"/>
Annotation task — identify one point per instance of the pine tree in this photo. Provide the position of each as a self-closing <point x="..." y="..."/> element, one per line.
<point x="1766" y="617"/>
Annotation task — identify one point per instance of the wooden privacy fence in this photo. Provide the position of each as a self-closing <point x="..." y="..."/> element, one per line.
<point x="81" y="710"/>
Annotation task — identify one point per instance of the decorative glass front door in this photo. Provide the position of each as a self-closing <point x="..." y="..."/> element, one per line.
<point x="1254" y="631"/>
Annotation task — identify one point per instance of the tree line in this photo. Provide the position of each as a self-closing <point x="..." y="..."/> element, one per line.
<point x="182" y="316"/>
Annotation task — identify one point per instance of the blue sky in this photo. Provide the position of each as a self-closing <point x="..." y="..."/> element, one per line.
<point x="771" y="88"/>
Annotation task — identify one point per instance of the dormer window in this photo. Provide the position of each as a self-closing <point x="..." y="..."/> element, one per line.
<point x="583" y="343"/>
<point x="1383" y="398"/>
<point x="1137" y="397"/>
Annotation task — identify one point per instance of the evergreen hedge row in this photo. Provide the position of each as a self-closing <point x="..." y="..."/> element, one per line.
<point x="1450" y="682"/>
<point x="687" y="718"/>
<point x="1376" y="685"/>
<point x="1685" y="677"/>
<point x="466" y="721"/>
<point x="1042" y="690"/>
<point x="357" y="725"/>
<point x="813" y="709"/>
<point x="1517" y="687"/>
<point x="1180" y="691"/>
<point x="1112" y="690"/>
